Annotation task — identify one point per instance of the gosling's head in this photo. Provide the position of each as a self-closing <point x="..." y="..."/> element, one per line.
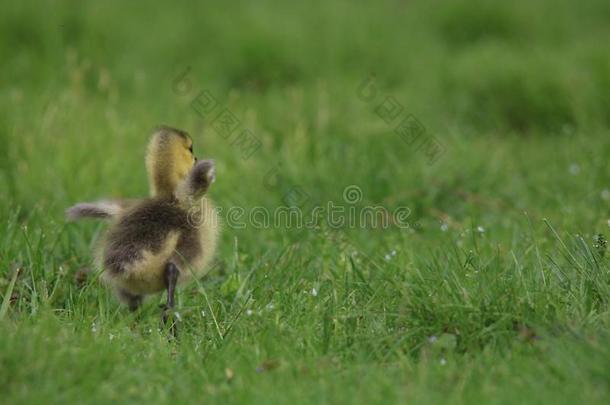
<point x="168" y="160"/>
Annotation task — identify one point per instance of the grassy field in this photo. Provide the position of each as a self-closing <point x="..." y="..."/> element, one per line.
<point x="494" y="286"/>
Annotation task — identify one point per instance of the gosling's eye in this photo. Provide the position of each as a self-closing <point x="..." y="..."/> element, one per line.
<point x="191" y="149"/>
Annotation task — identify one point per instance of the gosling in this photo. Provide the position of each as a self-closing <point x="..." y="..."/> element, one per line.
<point x="166" y="240"/>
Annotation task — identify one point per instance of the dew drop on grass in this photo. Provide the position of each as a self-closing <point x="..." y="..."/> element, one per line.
<point x="314" y="292"/>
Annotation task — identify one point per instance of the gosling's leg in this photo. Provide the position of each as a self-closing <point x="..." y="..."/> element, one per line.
<point x="170" y="278"/>
<point x="133" y="301"/>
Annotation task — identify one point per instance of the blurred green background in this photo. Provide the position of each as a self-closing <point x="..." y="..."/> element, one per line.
<point x="472" y="73"/>
<point x="503" y="259"/>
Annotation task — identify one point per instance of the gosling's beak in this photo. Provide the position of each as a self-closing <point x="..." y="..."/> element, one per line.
<point x="195" y="159"/>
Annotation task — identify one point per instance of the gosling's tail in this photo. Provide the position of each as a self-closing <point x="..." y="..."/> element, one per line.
<point x="106" y="209"/>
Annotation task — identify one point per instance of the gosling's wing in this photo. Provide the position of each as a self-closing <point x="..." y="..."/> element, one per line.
<point x="197" y="181"/>
<point x="104" y="209"/>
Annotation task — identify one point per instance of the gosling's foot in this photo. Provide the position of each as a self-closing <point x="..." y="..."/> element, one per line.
<point x="168" y="318"/>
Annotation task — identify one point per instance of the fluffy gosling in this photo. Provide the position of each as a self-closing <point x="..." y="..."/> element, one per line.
<point x="152" y="243"/>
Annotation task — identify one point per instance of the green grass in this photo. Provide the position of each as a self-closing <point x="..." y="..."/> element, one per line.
<point x="498" y="291"/>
